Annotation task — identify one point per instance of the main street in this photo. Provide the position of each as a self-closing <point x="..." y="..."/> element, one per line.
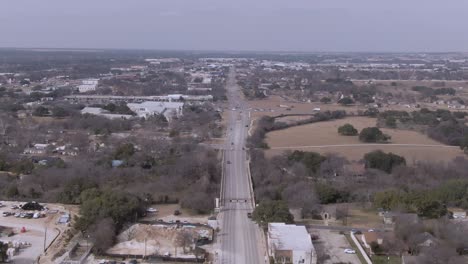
<point x="240" y="237"/>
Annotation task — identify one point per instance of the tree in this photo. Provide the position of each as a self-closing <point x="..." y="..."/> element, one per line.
<point x="376" y="248"/>
<point x="325" y="100"/>
<point x="430" y="208"/>
<point x="347" y="130"/>
<point x="346" y="101"/>
<point x="272" y="211"/>
<point x="327" y="194"/>
<point x="382" y="161"/>
<point x="40" y="111"/>
<point x="311" y="160"/>
<point x="12" y="191"/>
<point x="184" y="239"/>
<point x="118" y="205"/>
<point x="3" y="251"/>
<point x="390" y="121"/>
<point x="372" y="135"/>
<point x="59" y="112"/>
<point x="124" y="152"/>
<point x="102" y="234"/>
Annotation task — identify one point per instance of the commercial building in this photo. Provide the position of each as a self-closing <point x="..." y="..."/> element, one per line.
<point x="150" y="108"/>
<point x="290" y="244"/>
<point x="88" y="85"/>
<point x="104" y="113"/>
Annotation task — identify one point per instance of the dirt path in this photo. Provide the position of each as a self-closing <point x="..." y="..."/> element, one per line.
<point x="366" y="145"/>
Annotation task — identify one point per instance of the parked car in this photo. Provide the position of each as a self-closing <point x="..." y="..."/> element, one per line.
<point x="6" y="214"/>
<point x="350" y="251"/>
<point x="249" y="215"/>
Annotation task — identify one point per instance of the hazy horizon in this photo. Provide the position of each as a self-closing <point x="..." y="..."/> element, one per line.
<point x="241" y="26"/>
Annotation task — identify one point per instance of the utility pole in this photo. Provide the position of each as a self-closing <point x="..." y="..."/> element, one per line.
<point x="144" y="256"/>
<point x="45" y="238"/>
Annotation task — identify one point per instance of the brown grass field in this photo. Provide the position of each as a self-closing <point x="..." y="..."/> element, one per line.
<point x="323" y="137"/>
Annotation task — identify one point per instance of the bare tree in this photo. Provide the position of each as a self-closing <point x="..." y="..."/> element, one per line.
<point x="103" y="234"/>
<point x="184" y="239"/>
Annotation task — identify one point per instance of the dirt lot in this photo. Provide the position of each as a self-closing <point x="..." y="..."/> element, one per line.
<point x="160" y="239"/>
<point x="271" y="107"/>
<point x="333" y="244"/>
<point x="166" y="214"/>
<point x="35" y="231"/>
<point x="323" y="137"/>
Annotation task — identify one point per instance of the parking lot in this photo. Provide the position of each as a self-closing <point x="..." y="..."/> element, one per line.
<point x="333" y="244"/>
<point x="30" y="230"/>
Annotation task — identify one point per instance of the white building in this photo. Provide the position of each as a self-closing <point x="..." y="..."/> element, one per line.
<point x="290" y="244"/>
<point x="88" y="85"/>
<point x="104" y="113"/>
<point x="150" y="108"/>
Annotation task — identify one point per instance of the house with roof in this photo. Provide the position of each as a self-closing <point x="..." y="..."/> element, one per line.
<point x="425" y="240"/>
<point x="290" y="244"/>
<point x="368" y="238"/>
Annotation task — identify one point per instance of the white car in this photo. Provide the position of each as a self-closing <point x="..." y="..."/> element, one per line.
<point x="350" y="251"/>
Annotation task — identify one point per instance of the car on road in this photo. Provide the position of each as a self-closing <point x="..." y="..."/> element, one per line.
<point x="371" y="230"/>
<point x="176" y="212"/>
<point x="349" y="251"/>
<point x="249" y="215"/>
<point x="228" y="162"/>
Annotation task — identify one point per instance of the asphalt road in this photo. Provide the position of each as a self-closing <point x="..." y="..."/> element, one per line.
<point x="240" y="236"/>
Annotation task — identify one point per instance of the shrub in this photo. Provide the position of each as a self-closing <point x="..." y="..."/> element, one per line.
<point x="346" y="101"/>
<point x="347" y="130"/>
<point x="373" y="134"/>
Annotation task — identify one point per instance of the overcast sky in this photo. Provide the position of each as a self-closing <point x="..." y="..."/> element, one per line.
<point x="261" y="25"/>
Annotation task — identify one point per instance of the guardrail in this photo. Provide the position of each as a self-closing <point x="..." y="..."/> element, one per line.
<point x="221" y="196"/>
<point x="252" y="194"/>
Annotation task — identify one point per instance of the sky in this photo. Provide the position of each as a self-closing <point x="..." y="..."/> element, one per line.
<point x="238" y="25"/>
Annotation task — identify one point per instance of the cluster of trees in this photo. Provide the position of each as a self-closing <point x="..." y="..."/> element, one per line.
<point x="373" y="135"/>
<point x="383" y="161"/>
<point x="15" y="165"/>
<point x="431" y="202"/>
<point x="199" y="120"/>
<point x="311" y="160"/>
<point x="283" y="179"/>
<point x="368" y="134"/>
<point x="306" y="180"/>
<point x="442" y="125"/>
<point x="271" y="212"/>
<point x="430" y="92"/>
<point x="267" y="124"/>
